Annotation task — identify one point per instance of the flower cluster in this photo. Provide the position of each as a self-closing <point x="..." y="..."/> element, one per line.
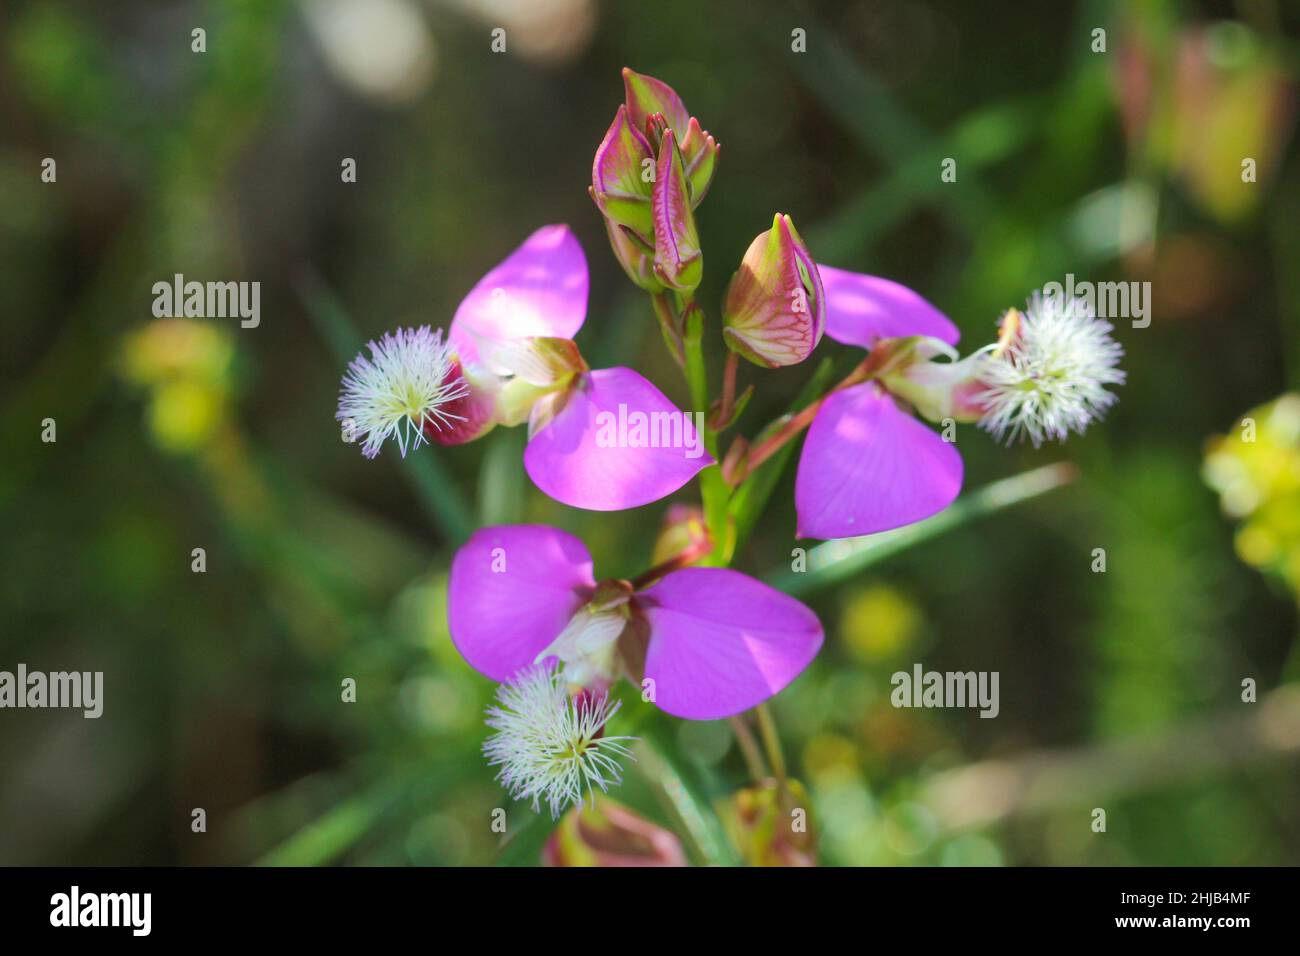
<point x="699" y="640"/>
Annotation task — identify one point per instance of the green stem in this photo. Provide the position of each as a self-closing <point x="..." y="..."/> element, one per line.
<point x="771" y="741"/>
<point x="749" y="747"/>
<point x="714" y="493"/>
<point x="697" y="374"/>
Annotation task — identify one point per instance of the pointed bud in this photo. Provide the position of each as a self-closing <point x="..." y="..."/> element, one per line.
<point x="771" y="824"/>
<point x="622" y="176"/>
<point x="700" y="152"/>
<point x="609" y="834"/>
<point x="775" y="311"/>
<point x="683" y="530"/>
<point x="647" y="96"/>
<point x="656" y="125"/>
<point x="678" y="260"/>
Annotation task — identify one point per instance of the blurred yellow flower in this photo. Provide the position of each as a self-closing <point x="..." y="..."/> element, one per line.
<point x="186" y="366"/>
<point x="878" y="622"/>
<point x="178" y="348"/>
<point x="1256" y="471"/>
<point x="183" y="414"/>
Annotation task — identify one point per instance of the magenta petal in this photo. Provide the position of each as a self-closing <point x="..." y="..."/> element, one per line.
<point x="862" y="308"/>
<point x="593" y="455"/>
<point x="512" y="590"/>
<point x="721" y="642"/>
<point x="867" y="466"/>
<point x="540" y="289"/>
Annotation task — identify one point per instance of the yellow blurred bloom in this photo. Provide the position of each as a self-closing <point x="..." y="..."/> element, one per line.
<point x="183" y="414"/>
<point x="1256" y="470"/>
<point x="178" y="348"/>
<point x="186" y="366"/>
<point x="878" y="622"/>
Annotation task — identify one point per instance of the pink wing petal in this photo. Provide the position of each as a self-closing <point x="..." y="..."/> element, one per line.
<point x="583" y="458"/>
<point x="862" y="308"/>
<point x="512" y="590"/>
<point x="867" y="466"/>
<point x="721" y="642"/>
<point x="540" y="289"/>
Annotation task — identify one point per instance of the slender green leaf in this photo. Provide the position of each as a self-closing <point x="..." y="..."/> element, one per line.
<point x="692" y="811"/>
<point x="332" y="834"/>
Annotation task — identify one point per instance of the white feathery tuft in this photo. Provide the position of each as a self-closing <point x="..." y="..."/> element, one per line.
<point x="1051" y="377"/>
<point x="402" y="387"/>
<point x="547" y="743"/>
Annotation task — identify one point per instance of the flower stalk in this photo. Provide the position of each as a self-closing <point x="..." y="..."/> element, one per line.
<point x="771" y="741"/>
<point x="749" y="748"/>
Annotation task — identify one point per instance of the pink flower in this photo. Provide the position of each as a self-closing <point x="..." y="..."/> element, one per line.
<point x="704" y="643"/>
<point x="510" y="358"/>
<point x="867" y="464"/>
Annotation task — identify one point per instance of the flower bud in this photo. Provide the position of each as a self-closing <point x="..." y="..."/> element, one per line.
<point x="647" y="96"/>
<point x="775" y="310"/>
<point x="609" y="834"/>
<point x="770" y="824"/>
<point x="622" y="177"/>
<point x="700" y="152"/>
<point x="656" y="125"/>
<point x="683" y="530"/>
<point x="678" y="261"/>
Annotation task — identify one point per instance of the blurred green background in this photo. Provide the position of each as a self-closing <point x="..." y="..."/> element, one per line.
<point x="1120" y="690"/>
